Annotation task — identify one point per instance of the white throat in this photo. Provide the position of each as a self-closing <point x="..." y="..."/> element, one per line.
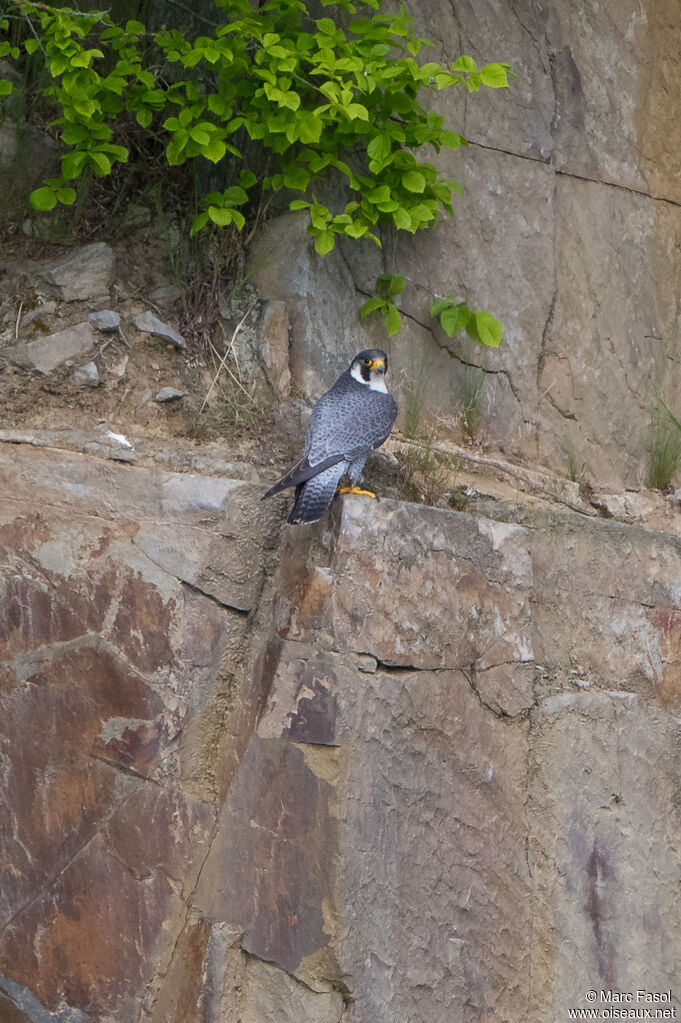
<point x="376" y="381"/>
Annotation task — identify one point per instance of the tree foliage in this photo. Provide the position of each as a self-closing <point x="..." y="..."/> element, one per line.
<point x="271" y="87"/>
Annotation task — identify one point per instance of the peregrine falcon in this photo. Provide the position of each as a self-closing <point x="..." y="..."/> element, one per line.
<point x="353" y="417"/>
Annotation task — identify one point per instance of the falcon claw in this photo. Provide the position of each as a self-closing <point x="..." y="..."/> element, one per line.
<point x="356" y="490"/>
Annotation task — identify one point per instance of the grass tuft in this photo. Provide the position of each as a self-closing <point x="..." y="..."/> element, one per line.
<point x="664" y="446"/>
<point x="472" y="396"/>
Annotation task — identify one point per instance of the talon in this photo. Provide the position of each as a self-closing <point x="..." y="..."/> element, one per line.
<point x="356" y="490"/>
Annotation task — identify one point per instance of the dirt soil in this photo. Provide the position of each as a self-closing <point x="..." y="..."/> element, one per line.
<point x="132" y="369"/>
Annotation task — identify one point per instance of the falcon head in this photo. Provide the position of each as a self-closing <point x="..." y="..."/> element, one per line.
<point x="369" y="367"/>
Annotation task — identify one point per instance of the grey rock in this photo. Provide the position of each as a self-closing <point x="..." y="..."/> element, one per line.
<point x="45" y="309"/>
<point x="27" y="156"/>
<point x="274" y="347"/>
<point x="166" y="295"/>
<point x="606" y="352"/>
<point x="105" y="320"/>
<point x="86" y="273"/>
<point x="46" y="353"/>
<point x="168" y="394"/>
<point x="319" y="296"/>
<point x="152" y="325"/>
<point x="87" y="375"/>
<point x="118" y="369"/>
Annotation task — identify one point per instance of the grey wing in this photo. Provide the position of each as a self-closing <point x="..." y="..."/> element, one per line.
<point x="348" y="423"/>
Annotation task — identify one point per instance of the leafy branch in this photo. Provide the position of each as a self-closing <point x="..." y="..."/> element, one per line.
<point x="319" y="97"/>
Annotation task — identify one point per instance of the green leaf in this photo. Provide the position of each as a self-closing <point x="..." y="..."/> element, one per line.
<point x="414" y="181"/>
<point x="43" y="199"/>
<point x="393" y="320"/>
<point x="299" y="204"/>
<point x="356" y="230"/>
<point x="401" y="219"/>
<point x="134" y="28"/>
<point x="144" y="117"/>
<point x="443" y="79"/>
<point x="290" y="99"/>
<point x="380" y="194"/>
<point x="238" y="219"/>
<point x="324" y="242"/>
<point x="466" y="64"/>
<point x="455" y="318"/>
<point x="357" y="112"/>
<point x="100" y="162"/>
<point x="495" y="76"/>
<point x="247" y="178"/>
<point x="310" y="127"/>
<point x="388" y="285"/>
<point x="215" y="150"/>
<point x="371" y="305"/>
<point x="199" y="134"/>
<point x="175" y="150"/>
<point x="220" y="215"/>
<point x="5" y="87"/>
<point x="72" y="163"/>
<point x="451" y="139"/>
<point x="438" y="305"/>
<point x="234" y="196"/>
<point x="67" y="196"/>
<point x="485" y="328"/>
<point x="297" y="177"/>
<point x="388" y="207"/>
<point x="379" y="148"/>
<point x="31" y="45"/>
<point x="217" y="105"/>
<point x="200" y="222"/>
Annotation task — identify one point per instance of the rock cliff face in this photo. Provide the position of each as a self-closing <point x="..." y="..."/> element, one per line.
<point x="409" y="764"/>
<point x="568" y="232"/>
<point x="404" y="764"/>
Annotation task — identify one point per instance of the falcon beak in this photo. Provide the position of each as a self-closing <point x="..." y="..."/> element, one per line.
<point x="378" y="366"/>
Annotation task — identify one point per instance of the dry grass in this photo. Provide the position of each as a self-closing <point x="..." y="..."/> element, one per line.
<point x="425" y="475"/>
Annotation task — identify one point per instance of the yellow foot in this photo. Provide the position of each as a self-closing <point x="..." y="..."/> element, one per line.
<point x="356" y="490"/>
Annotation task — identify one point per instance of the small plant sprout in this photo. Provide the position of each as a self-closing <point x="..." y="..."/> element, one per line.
<point x="388" y="286"/>
<point x="456" y="316"/>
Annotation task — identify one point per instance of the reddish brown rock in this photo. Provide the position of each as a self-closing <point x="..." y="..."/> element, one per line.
<point x="419" y="771"/>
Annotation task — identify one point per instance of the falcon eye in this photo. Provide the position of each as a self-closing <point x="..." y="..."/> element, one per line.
<point x="367" y="362"/>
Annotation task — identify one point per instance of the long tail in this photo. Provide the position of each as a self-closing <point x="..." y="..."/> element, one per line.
<point x="315" y="495"/>
<point x="301" y="472"/>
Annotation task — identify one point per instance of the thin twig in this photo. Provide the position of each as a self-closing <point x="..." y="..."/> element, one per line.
<point x="122" y="336"/>
<point x="37" y="37"/>
<point x="216" y="354"/>
<point x="68" y="10"/>
<point x="16" y="325"/>
<point x="224" y="360"/>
